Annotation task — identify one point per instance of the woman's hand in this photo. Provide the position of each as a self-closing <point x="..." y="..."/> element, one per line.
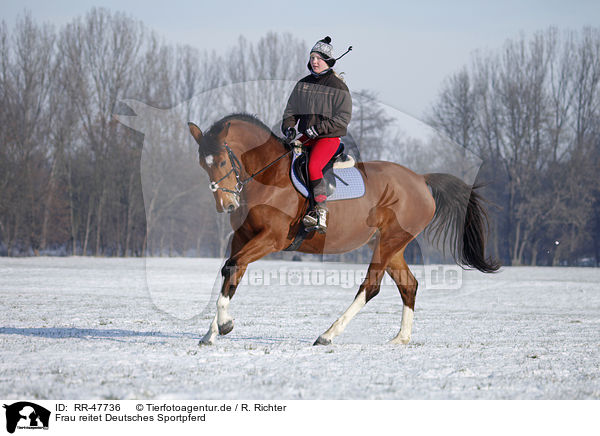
<point x="290" y="134"/>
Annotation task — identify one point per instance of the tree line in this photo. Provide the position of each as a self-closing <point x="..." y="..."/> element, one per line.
<point x="70" y="179"/>
<point x="76" y="180"/>
<point x="531" y="112"/>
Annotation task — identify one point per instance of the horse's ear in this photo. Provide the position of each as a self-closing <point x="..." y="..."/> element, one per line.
<point x="196" y="132"/>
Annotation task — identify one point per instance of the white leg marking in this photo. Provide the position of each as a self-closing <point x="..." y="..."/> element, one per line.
<point x="222" y="306"/>
<point x="403" y="336"/>
<point x="213" y="332"/>
<point x="341" y="323"/>
<point x="221" y="318"/>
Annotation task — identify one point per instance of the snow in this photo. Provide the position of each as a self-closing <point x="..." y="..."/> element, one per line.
<point x="94" y="328"/>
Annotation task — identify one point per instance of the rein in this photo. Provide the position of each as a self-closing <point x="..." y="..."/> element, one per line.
<point x="236" y="167"/>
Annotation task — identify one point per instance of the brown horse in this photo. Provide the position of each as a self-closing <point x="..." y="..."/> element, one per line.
<point x="249" y="171"/>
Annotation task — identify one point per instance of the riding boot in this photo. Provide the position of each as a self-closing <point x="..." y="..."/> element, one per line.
<point x="316" y="219"/>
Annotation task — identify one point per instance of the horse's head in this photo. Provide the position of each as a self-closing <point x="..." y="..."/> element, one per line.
<point x="222" y="166"/>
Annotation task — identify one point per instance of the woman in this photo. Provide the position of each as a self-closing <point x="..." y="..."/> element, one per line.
<point x="321" y="105"/>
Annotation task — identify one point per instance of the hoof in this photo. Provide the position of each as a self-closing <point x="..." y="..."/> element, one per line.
<point x="401" y="341"/>
<point x="202" y="343"/>
<point x="226" y="328"/>
<point x="322" y="341"/>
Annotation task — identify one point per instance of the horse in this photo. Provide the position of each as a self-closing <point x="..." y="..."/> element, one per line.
<point x="248" y="167"/>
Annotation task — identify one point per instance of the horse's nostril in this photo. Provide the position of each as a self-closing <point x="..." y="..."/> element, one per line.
<point x="231" y="208"/>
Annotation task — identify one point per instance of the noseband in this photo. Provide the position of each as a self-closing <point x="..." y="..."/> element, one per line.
<point x="236" y="168"/>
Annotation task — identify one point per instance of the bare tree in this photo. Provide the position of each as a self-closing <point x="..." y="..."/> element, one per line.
<point x="103" y="50"/>
<point x="26" y="74"/>
<point x="263" y="74"/>
<point x="369" y="125"/>
<point x="528" y="112"/>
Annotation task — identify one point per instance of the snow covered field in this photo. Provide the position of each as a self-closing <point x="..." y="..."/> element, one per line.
<point x="87" y="328"/>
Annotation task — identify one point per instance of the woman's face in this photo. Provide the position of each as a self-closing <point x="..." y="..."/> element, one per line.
<point x="317" y="63"/>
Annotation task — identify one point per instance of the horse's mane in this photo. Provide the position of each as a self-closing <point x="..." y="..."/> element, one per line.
<point x="210" y="145"/>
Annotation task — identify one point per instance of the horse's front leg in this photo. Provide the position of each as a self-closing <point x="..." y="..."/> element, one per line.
<point x="211" y="334"/>
<point x="243" y="253"/>
<point x="222" y="323"/>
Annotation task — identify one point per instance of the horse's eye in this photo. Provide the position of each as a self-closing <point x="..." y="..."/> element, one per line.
<point x="223" y="164"/>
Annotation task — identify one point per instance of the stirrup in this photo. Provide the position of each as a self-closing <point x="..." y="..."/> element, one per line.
<point x="316" y="220"/>
<point x="311" y="219"/>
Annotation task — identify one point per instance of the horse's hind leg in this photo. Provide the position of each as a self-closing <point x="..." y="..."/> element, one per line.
<point x="407" y="285"/>
<point x="368" y="289"/>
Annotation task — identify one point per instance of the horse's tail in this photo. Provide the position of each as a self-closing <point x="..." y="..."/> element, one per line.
<point x="461" y="220"/>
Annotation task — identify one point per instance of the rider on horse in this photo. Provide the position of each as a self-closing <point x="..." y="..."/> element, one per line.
<point x="322" y="105"/>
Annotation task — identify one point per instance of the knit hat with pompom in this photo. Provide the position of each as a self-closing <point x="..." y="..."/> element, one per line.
<point x="325" y="50"/>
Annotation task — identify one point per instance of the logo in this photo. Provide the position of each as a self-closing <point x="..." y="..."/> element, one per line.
<point x="25" y="415"/>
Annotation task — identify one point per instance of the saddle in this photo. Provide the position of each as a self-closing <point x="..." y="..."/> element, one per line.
<point x="341" y="168"/>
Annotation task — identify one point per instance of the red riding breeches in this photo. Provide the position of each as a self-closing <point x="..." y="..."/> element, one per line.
<point x="321" y="152"/>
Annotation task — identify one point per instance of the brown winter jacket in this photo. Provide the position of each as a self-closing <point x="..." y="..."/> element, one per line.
<point x="323" y="102"/>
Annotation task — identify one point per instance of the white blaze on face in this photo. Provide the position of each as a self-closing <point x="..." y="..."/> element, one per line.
<point x="209" y="160"/>
<point x="235" y="201"/>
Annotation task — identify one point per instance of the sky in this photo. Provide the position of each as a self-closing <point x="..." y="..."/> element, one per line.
<point x="402" y="50"/>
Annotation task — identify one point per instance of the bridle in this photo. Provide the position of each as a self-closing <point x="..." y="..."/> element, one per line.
<point x="236" y="168"/>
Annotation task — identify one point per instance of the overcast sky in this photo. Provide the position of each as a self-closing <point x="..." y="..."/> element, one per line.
<point x="402" y="50"/>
